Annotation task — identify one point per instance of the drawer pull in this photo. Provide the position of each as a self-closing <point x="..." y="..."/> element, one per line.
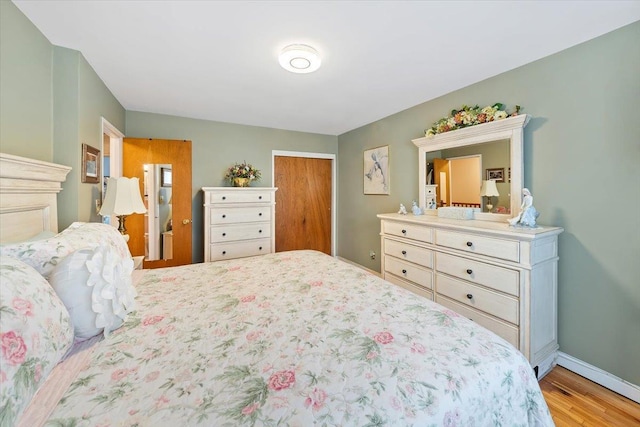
<point x="260" y="248"/>
<point x="224" y="216"/>
<point x="469" y="296"/>
<point x="224" y="252"/>
<point x="469" y="271"/>
<point x="404" y="231"/>
<point x="404" y="252"/>
<point x="224" y="197"/>
<point x="404" y="271"/>
<point x="224" y="234"/>
<point x="259" y="197"/>
<point x="469" y="244"/>
<point x="259" y="231"/>
<point x="260" y="214"/>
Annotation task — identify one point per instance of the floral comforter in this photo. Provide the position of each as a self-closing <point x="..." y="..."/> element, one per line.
<point x="297" y="338"/>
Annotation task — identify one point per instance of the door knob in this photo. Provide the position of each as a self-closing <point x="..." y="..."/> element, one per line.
<point x="186" y="221"/>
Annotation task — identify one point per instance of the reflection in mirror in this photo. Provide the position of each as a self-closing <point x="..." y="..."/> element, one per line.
<point x="158" y="228"/>
<point x="505" y="166"/>
<point x="458" y="174"/>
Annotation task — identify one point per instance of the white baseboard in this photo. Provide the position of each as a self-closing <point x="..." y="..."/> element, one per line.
<point x="598" y="376"/>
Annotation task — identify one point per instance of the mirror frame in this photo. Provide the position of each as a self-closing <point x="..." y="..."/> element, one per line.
<point x="511" y="128"/>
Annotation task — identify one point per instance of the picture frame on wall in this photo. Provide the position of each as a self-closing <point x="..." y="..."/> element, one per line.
<point x="166" y="177"/>
<point x="376" y="179"/>
<point x="496" y="174"/>
<point x="90" y="173"/>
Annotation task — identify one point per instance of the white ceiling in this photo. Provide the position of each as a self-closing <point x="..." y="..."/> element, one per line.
<point x="217" y="60"/>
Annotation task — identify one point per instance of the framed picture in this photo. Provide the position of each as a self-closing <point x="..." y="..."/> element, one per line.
<point x="165" y="177"/>
<point x="376" y="171"/>
<point x="90" y="164"/>
<point x="497" y="174"/>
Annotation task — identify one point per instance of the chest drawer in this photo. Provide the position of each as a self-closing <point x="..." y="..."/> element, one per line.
<point x="408" y="252"/>
<point x="419" y="290"/>
<point x="229" y="215"/>
<point x="502" y="329"/>
<point x="489" y="246"/>
<point x="247" y="196"/>
<point x="493" y="303"/>
<point x="408" y="271"/>
<point x="220" y="251"/>
<point x="410" y="231"/>
<point x="226" y="233"/>
<point x="498" y="278"/>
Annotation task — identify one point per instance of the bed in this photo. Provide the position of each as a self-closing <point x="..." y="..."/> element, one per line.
<point x="294" y="338"/>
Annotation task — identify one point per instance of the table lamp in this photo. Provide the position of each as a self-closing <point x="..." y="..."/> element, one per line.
<point x="123" y="198"/>
<point x="489" y="190"/>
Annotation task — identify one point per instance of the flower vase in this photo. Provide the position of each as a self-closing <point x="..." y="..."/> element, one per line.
<point x="241" y="182"/>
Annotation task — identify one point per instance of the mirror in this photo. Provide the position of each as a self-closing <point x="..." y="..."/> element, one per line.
<point x="453" y="165"/>
<point x="158" y="224"/>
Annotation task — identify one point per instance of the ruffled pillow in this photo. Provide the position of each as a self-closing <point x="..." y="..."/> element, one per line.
<point x="44" y="255"/>
<point x="95" y="286"/>
<point x="35" y="334"/>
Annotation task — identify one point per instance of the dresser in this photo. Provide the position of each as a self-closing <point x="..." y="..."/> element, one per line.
<point x="238" y="222"/>
<point x="501" y="277"/>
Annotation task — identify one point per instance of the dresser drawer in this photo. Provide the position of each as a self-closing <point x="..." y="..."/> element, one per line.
<point x="226" y="233"/>
<point x="419" y="290"/>
<point x="493" y="303"/>
<point x="502" y="329"/>
<point x="246" y="196"/>
<point x="229" y="215"/>
<point x="410" y="231"/>
<point x="498" y="248"/>
<point x="498" y="278"/>
<point x="408" y="271"/>
<point x="409" y="252"/>
<point x="220" y="251"/>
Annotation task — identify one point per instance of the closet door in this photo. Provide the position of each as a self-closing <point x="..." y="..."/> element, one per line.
<point x="303" y="203"/>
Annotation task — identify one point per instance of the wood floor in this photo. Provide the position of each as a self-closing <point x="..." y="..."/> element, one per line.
<point x="575" y="401"/>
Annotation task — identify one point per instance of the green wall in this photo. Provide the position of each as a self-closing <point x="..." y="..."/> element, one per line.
<point x="52" y="102"/>
<point x="217" y="145"/>
<point x="26" y="99"/>
<point x="581" y="159"/>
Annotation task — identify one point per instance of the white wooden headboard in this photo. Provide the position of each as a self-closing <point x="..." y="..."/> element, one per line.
<point x="28" y="193"/>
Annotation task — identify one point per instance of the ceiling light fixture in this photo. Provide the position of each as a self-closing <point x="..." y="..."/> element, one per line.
<point x="299" y="58"/>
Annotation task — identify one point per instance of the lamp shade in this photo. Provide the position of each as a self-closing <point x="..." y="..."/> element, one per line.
<point x="489" y="188"/>
<point x="123" y="197"/>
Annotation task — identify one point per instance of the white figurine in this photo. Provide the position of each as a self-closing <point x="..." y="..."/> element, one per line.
<point x="528" y="213"/>
<point x="402" y="210"/>
<point x="416" y="209"/>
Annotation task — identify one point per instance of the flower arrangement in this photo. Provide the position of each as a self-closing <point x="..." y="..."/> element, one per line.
<point x="241" y="174"/>
<point x="469" y="116"/>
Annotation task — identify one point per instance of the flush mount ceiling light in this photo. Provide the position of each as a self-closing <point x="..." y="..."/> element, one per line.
<point x="299" y="58"/>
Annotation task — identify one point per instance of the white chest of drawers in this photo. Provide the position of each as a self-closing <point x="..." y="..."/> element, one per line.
<point x="501" y="277"/>
<point x="238" y="222"/>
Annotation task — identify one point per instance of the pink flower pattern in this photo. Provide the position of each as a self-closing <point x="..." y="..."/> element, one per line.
<point x="14" y="349"/>
<point x="316" y="341"/>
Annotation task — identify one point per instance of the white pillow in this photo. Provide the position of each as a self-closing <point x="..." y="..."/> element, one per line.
<point x="35" y="334"/>
<point x="44" y="255"/>
<point x="95" y="286"/>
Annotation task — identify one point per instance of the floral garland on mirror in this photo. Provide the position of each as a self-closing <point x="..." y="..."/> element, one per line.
<point x="470" y="116"/>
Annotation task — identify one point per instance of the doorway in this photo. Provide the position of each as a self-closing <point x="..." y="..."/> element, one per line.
<point x="164" y="234"/>
<point x="305" y="201"/>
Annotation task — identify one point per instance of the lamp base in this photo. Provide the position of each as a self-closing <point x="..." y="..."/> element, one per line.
<point x="489" y="207"/>
<point x="121" y="228"/>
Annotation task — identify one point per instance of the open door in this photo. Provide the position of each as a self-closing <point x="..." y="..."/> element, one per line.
<point x="163" y="235"/>
<point x="441" y="179"/>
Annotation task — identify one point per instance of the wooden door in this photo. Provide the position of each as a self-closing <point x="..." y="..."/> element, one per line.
<point x="303" y="203"/>
<point x="441" y="170"/>
<point x="138" y="152"/>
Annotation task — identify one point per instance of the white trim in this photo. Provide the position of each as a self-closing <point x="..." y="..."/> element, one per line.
<point x="309" y="155"/>
<point x="115" y="155"/>
<point x="598" y="376"/>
